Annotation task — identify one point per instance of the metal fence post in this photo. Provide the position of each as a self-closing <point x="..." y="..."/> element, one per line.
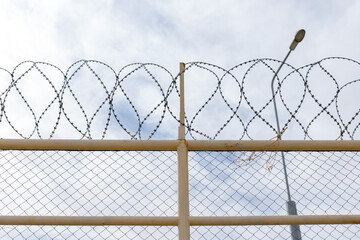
<point x="183" y="174"/>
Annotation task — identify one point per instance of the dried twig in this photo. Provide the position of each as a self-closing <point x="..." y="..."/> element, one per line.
<point x="259" y="154"/>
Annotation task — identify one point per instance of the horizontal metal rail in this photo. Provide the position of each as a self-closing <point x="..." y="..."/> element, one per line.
<point x="275" y="220"/>
<point x="88" y="221"/>
<point x="89" y="145"/>
<point x="280" y="145"/>
<point x="171" y="145"/>
<point x="173" y="221"/>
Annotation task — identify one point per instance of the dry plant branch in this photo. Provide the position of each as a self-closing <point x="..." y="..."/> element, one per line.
<point x="259" y="154"/>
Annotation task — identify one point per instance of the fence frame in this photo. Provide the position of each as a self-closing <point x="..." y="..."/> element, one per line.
<point x="174" y="221"/>
<point x="183" y="221"/>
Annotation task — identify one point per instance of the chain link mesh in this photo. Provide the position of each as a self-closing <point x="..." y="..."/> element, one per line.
<point x="87" y="232"/>
<point x="239" y="184"/>
<point x="88" y="183"/>
<point x="333" y="232"/>
<point x="141" y="102"/>
<point x="132" y="183"/>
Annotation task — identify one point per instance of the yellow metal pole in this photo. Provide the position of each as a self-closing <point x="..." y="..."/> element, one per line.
<point x="174" y="221"/>
<point x="182" y="103"/>
<point x="171" y="145"/>
<point x="88" y="221"/>
<point x="275" y="220"/>
<point x="88" y="145"/>
<point x="183" y="174"/>
<point x="283" y="145"/>
<point x="183" y="192"/>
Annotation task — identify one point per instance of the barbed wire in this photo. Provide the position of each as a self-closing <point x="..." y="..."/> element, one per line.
<point x="92" y="100"/>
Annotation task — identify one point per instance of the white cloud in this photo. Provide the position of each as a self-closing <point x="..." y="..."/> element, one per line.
<point x="225" y="33"/>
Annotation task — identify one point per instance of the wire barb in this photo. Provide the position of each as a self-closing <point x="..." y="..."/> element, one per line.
<point x="92" y="100"/>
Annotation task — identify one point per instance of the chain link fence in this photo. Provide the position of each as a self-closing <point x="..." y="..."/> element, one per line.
<point x="91" y="100"/>
<point x="228" y="184"/>
<point x="88" y="232"/>
<point x="144" y="183"/>
<point x="64" y="183"/>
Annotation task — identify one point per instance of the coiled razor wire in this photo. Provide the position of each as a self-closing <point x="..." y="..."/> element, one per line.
<point x="38" y="100"/>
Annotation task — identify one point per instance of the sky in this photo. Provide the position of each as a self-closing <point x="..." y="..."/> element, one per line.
<point x="223" y="33"/>
<point x="168" y="32"/>
<point x="118" y="33"/>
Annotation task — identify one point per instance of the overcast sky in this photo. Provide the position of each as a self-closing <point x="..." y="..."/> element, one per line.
<point x="167" y="32"/>
<point x="224" y="33"/>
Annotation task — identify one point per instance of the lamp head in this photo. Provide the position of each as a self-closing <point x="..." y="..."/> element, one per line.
<point x="298" y="38"/>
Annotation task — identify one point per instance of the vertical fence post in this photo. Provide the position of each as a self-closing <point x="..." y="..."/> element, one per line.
<point x="183" y="174"/>
<point x="181" y="133"/>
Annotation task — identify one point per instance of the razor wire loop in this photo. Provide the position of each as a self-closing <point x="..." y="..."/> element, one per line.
<point x="278" y="91"/>
<point x="351" y="135"/>
<point x="83" y="64"/>
<point x="292" y="114"/>
<point x="340" y="124"/>
<point x="206" y="66"/>
<point x="218" y="88"/>
<point x="163" y="101"/>
<point x="207" y="101"/>
<point x="219" y="74"/>
<point x="4" y="92"/>
<point x="234" y="111"/>
<point x="352" y="118"/>
<point x="14" y="82"/>
<point x="257" y="113"/>
<point x="323" y="108"/>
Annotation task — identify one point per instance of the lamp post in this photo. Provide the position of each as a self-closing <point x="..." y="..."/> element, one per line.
<point x="290" y="205"/>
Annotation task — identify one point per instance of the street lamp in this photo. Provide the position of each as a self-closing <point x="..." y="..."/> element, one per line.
<point x="290" y="205"/>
